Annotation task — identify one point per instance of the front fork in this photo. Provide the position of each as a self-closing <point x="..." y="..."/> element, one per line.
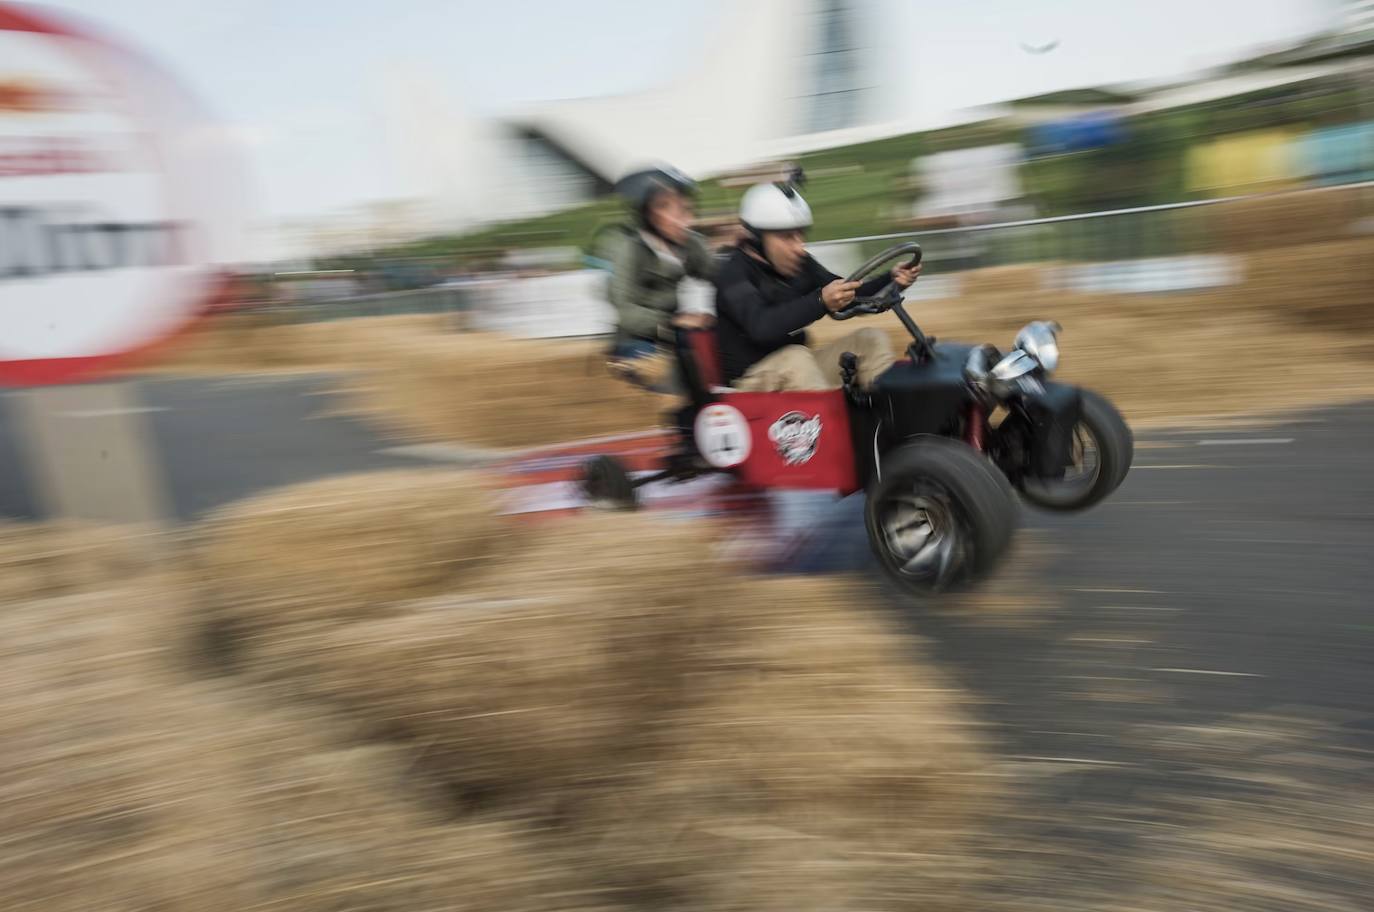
<point x="976" y="426"/>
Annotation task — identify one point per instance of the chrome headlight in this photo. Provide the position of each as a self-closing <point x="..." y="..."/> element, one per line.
<point x="1005" y="378"/>
<point x="1014" y="366"/>
<point x="1040" y="340"/>
<point x="1014" y="373"/>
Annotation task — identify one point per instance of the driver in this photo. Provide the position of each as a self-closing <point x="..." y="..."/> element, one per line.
<point x="771" y="289"/>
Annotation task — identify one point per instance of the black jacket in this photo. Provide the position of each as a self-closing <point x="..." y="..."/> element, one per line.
<point x="758" y="310"/>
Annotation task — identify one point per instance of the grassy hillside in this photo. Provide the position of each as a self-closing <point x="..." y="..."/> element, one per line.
<point x="852" y="189"/>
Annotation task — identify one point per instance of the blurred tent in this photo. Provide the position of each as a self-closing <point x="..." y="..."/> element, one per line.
<point x="967" y="182"/>
<point x="1094" y="130"/>
<point x="1337" y="155"/>
<point x="1251" y="162"/>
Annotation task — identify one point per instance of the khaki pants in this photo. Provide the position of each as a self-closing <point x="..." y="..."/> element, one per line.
<point x="797" y="367"/>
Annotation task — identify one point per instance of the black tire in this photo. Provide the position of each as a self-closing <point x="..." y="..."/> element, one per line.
<point x="1102" y="427"/>
<point x="941" y="494"/>
<point x="607" y="484"/>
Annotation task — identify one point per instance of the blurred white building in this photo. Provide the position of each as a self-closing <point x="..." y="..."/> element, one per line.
<point x="779" y="77"/>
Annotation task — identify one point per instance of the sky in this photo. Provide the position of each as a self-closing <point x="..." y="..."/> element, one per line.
<point x="301" y="86"/>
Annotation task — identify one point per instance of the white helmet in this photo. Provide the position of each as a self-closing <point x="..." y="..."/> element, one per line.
<point x="774" y="207"/>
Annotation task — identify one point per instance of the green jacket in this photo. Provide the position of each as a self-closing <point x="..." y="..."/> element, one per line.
<point x="643" y="285"/>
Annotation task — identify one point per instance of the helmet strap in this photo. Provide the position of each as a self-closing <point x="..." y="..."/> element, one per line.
<point x="753" y="239"/>
<point x="753" y="244"/>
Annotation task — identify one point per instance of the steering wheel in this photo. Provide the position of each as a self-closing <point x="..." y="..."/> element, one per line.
<point x="889" y="294"/>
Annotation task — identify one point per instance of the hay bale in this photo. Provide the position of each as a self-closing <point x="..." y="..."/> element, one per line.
<point x="495" y="390"/>
<point x="415" y="377"/>
<point x="127" y="788"/>
<point x="344" y="547"/>
<point x="228" y="342"/>
<point x="329" y="828"/>
<point x="62" y="558"/>
<point x="815" y="767"/>
<point x="1281" y="220"/>
<point x="1326" y="286"/>
<point x="273" y="342"/>
<point x="1003" y="280"/>
<point x="557" y="669"/>
<point x="701" y="741"/>
<point x="93" y="778"/>
<point x="603" y="719"/>
<point x="813" y="650"/>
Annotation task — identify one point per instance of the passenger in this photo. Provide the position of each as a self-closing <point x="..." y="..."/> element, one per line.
<point x="648" y="258"/>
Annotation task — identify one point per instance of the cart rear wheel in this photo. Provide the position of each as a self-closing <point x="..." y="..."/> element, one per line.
<point x="606" y="484"/>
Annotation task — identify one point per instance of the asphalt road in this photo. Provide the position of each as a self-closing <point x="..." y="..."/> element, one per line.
<point x="1184" y="649"/>
<point x="1247" y="552"/>
<point x="1171" y="669"/>
<point x="219" y="439"/>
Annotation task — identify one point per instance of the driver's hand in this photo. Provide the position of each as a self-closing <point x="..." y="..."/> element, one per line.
<point x="838" y="295"/>
<point x="906" y="276"/>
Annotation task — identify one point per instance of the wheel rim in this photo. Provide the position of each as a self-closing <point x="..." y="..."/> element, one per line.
<point x="923" y="540"/>
<point x="1080" y="476"/>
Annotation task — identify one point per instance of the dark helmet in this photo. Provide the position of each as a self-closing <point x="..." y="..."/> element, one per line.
<point x="640" y="187"/>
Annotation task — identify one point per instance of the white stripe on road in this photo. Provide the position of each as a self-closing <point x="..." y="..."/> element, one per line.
<point x="1034" y="759"/>
<point x="1136" y="608"/>
<point x="1245" y="441"/>
<point x="1203" y="671"/>
<point x="1111" y="641"/>
<point x="1135" y="591"/>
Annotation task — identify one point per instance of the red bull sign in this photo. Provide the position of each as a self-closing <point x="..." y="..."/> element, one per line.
<point x="107" y="202"/>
